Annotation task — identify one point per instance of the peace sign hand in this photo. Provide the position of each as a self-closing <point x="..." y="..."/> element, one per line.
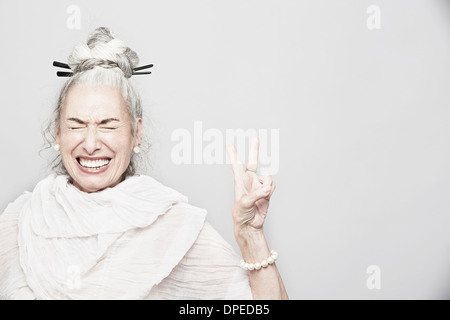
<point x="251" y="193"/>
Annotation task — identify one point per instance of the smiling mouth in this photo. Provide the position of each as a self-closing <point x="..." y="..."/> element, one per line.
<point x="94" y="164"/>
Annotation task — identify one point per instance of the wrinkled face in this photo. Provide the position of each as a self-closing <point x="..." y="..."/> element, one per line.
<point x="96" y="137"/>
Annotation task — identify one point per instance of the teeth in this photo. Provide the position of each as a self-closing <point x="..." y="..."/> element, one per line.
<point x="94" y="163"/>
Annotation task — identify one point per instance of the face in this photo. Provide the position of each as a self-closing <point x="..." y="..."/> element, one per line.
<point x="96" y="137"/>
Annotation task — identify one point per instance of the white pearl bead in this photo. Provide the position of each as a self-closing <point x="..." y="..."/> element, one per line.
<point x="263" y="264"/>
<point x="56" y="147"/>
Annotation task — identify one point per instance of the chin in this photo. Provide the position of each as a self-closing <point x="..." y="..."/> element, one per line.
<point x="90" y="186"/>
<point x="94" y="183"/>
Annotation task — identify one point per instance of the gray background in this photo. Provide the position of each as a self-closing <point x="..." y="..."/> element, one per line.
<point x="363" y="118"/>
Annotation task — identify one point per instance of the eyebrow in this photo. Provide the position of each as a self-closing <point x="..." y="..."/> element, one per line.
<point x="104" y="121"/>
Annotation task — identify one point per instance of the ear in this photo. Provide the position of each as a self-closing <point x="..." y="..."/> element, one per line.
<point x="57" y="130"/>
<point x="139" y="131"/>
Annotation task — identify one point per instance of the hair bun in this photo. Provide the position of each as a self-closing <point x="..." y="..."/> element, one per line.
<point x="104" y="50"/>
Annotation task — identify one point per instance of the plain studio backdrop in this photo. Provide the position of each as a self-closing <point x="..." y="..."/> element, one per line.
<point x="358" y="92"/>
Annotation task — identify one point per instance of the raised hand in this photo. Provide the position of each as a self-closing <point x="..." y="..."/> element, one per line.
<point x="251" y="192"/>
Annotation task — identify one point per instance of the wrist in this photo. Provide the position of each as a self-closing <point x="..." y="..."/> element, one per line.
<point x="252" y="243"/>
<point x="248" y="235"/>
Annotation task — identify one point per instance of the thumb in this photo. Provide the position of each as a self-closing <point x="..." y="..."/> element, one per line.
<point x="249" y="200"/>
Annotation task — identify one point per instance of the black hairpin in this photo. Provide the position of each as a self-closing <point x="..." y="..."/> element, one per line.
<point x="62" y="65"/>
<point x="69" y="74"/>
<point x="148" y="66"/>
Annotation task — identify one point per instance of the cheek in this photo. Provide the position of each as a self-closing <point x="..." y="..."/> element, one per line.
<point x="120" y="143"/>
<point x="69" y="141"/>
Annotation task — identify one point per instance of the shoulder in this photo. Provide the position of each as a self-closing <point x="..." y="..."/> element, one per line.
<point x="9" y="220"/>
<point x="13" y="285"/>
<point x="9" y="223"/>
<point x="13" y="209"/>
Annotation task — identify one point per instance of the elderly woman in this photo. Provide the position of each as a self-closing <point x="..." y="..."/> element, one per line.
<point x="97" y="230"/>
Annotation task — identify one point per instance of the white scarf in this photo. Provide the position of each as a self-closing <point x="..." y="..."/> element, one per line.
<point x="61" y="227"/>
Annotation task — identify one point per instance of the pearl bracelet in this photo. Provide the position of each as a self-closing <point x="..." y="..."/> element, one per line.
<point x="257" y="266"/>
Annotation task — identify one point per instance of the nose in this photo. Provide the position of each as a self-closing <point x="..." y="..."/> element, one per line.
<point x="91" y="142"/>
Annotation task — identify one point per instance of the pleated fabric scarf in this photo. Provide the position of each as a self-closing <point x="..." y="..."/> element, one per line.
<point x="65" y="235"/>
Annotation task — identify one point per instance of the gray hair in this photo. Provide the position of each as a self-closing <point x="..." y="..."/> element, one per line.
<point x="102" y="60"/>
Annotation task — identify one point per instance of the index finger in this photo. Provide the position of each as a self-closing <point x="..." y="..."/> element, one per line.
<point x="236" y="163"/>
